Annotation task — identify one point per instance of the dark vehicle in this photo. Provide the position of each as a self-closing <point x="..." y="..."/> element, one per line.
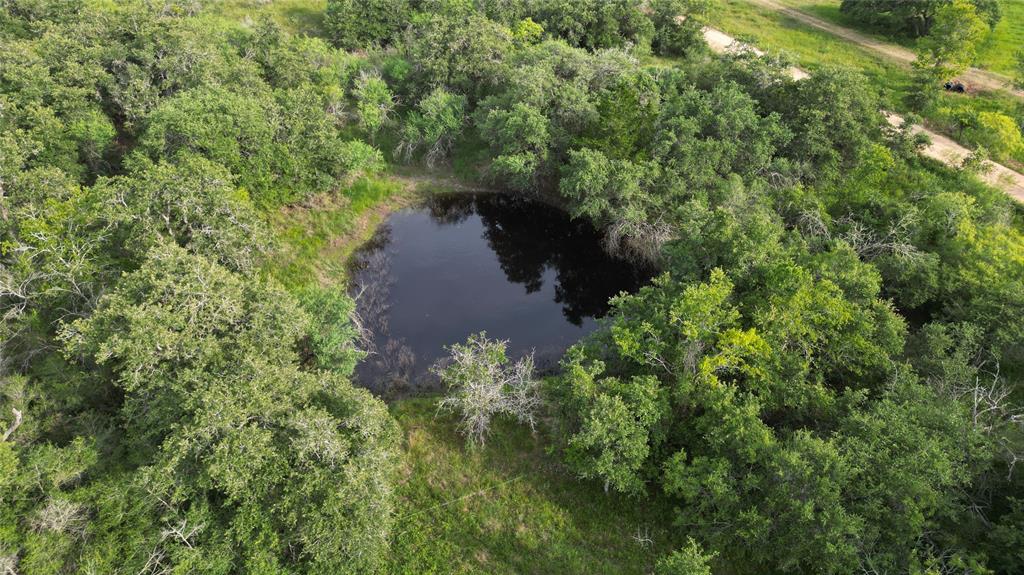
<point x="955" y="86"/>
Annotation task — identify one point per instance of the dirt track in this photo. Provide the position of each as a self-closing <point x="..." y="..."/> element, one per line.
<point x="942" y="148"/>
<point x="978" y="79"/>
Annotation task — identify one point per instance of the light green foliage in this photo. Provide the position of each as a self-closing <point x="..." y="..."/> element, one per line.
<point x="433" y="127"/>
<point x="461" y="51"/>
<point x="191" y="203"/>
<point x="952" y="43"/>
<point x="598" y="186"/>
<point x="997" y="133"/>
<point x="374" y="102"/>
<point x="753" y="398"/>
<point x="526" y="32"/>
<point x="180" y="431"/>
<point x="333" y="335"/>
<point x="56" y="253"/>
<point x="520" y="135"/>
<point x="292" y="61"/>
<point x="1018" y="76"/>
<point x="690" y="560"/>
<point x="206" y="362"/>
<point x="615" y="421"/>
<point x="231" y="129"/>
<point x="766" y="391"/>
<point x="95" y="134"/>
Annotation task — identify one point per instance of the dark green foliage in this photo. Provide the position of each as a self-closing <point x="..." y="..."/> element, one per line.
<point x="359" y="23"/>
<point x="180" y="429"/>
<point x="222" y="418"/>
<point x="677" y="25"/>
<point x="911" y="17"/>
<point x="595" y="24"/>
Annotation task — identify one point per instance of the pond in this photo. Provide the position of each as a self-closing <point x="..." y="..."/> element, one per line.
<point x="521" y="270"/>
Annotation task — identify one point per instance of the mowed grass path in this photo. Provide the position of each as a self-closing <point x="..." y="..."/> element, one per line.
<point x="510" y="507"/>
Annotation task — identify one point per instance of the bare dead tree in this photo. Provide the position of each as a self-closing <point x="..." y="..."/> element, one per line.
<point x="641" y="240"/>
<point x="61" y="516"/>
<point x="14" y="426"/>
<point x="643" y="538"/>
<point x="155" y="563"/>
<point x="483" y="384"/>
<point x="182" y="532"/>
<point x="992" y="411"/>
<point x="8" y="565"/>
<point x="810" y="223"/>
<point x="870" y="245"/>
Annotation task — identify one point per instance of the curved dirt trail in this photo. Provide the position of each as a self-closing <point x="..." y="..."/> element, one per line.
<point x="974" y="77"/>
<point x="941" y="148"/>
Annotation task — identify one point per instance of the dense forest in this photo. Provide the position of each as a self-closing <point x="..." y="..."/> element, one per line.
<point x="824" y="376"/>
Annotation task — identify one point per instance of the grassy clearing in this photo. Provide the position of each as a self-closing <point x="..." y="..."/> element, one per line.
<point x="510" y="507"/>
<point x="296" y="16"/>
<point x="316" y="240"/>
<point x="997" y="53"/>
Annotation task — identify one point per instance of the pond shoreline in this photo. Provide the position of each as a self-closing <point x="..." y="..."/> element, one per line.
<point x="461" y="262"/>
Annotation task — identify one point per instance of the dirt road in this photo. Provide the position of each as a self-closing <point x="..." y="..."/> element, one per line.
<point x="942" y="148"/>
<point x="974" y="77"/>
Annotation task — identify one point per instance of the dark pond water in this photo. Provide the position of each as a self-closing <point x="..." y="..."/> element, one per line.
<point x="520" y="270"/>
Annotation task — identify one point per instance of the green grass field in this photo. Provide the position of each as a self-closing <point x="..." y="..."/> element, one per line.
<point x="996" y="54"/>
<point x="510" y="507"/>
<point x="998" y="51"/>
<point x="296" y="16"/>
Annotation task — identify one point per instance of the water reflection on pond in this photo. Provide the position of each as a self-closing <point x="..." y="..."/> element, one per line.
<point x="520" y="270"/>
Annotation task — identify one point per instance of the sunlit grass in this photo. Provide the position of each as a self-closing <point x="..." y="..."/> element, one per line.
<point x="314" y="241"/>
<point x="809" y="47"/>
<point x="296" y="16"/>
<point x="510" y="507"/>
<point x="998" y="51"/>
